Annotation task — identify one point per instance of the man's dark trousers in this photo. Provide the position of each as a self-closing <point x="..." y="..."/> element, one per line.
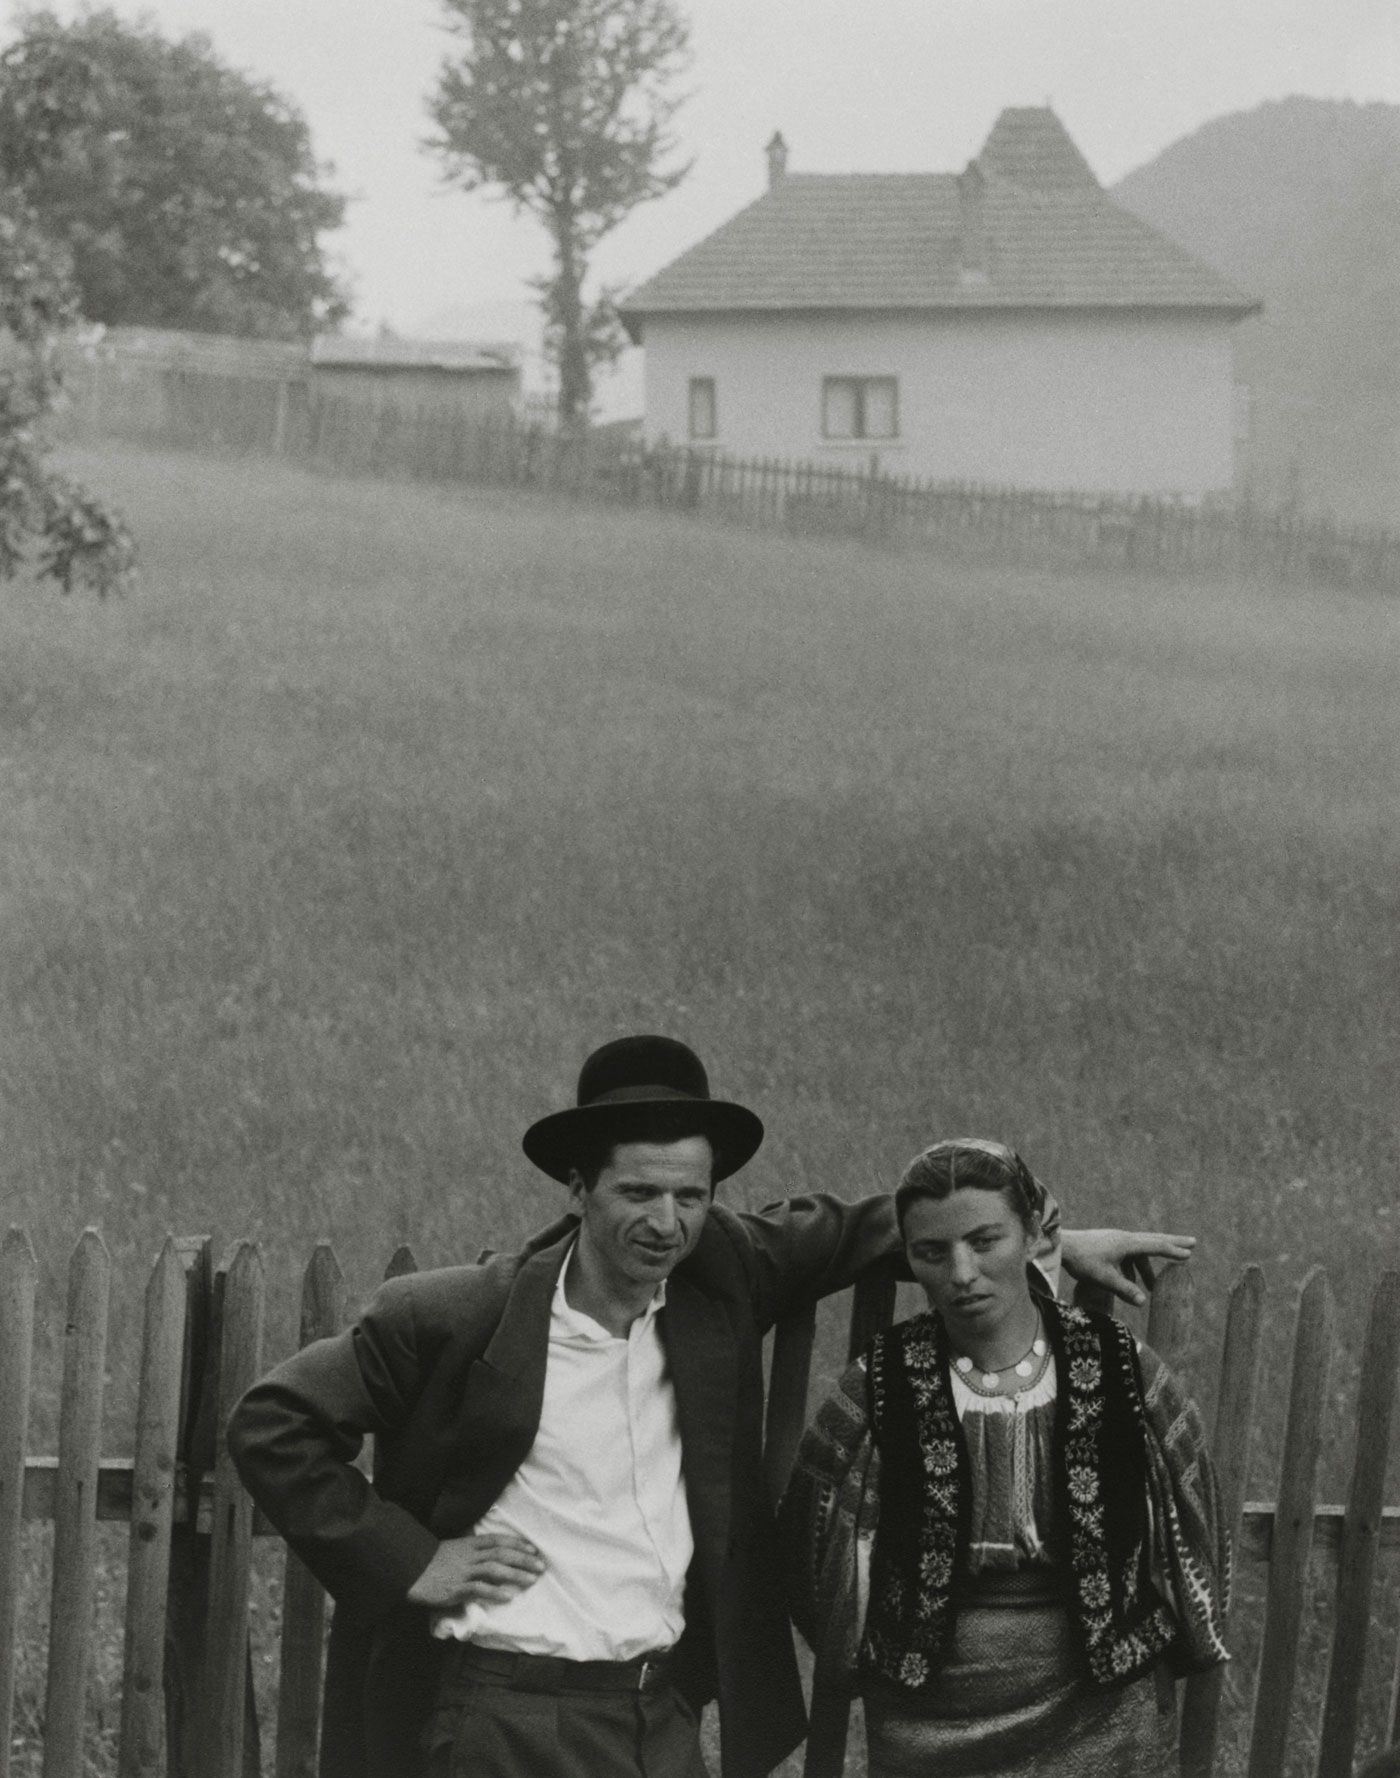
<point x="533" y="1724"/>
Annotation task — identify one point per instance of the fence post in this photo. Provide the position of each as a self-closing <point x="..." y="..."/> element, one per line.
<point x="1170" y="1316"/>
<point x="1361" y="1531"/>
<point x="872" y="1307"/>
<point x="75" y="1507"/>
<point x="1293" y="1528"/>
<point x="230" y="1724"/>
<point x="303" y="1598"/>
<point x="789" y="1370"/>
<point x="187" y="1602"/>
<point x="279" y="418"/>
<point x="18" y="1272"/>
<point x="152" y="1515"/>
<point x="1232" y="1444"/>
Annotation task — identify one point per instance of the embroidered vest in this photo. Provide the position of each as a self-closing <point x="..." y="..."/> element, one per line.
<point x="1101" y="1491"/>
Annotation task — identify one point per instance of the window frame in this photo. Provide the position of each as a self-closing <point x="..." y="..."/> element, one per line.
<point x="696" y="384"/>
<point x="859" y="386"/>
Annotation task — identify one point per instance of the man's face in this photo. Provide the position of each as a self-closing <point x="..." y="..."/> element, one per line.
<point x="646" y="1211"/>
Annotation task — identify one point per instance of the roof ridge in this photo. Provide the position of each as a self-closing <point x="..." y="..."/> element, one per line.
<point x="858" y="173"/>
<point x="878" y="241"/>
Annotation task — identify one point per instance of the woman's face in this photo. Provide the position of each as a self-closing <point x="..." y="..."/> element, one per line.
<point x="969" y="1252"/>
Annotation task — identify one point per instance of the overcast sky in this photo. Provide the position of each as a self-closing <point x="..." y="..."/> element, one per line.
<point x="855" y="85"/>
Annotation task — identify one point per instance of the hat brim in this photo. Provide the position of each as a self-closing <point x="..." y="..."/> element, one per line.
<point x="554" y="1142"/>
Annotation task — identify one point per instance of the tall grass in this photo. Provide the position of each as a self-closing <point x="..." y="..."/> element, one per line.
<point x="331" y="852"/>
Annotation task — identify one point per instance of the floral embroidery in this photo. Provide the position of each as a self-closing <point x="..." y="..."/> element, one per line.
<point x="1125" y="1628"/>
<point x="941" y="1458"/>
<point x="936" y="1568"/>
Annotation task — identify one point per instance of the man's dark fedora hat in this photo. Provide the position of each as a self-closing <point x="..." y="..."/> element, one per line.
<point x="624" y="1078"/>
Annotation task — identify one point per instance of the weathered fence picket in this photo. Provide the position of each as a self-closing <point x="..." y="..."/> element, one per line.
<point x="1232" y="1446"/>
<point x="152" y="1516"/>
<point x="18" y="1274"/>
<point x="187" y="1601"/>
<point x="303" y="1599"/>
<point x="1361" y="1534"/>
<point x="226" y="1696"/>
<point x="1292" y="1539"/>
<point x="1171" y="1316"/>
<point x="789" y="1371"/>
<point x="75" y="1507"/>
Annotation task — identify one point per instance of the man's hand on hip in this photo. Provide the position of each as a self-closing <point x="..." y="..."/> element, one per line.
<point x="485" y="1570"/>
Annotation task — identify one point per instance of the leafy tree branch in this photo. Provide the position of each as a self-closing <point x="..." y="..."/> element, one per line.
<point x="565" y="108"/>
<point x="186" y="193"/>
<point x="45" y="517"/>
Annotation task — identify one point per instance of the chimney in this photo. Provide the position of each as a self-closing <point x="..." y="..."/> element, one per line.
<point x="972" y="225"/>
<point x="777" y="152"/>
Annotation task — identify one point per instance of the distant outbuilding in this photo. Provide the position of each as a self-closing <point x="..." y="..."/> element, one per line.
<point x="477" y="380"/>
<point x="1007" y="324"/>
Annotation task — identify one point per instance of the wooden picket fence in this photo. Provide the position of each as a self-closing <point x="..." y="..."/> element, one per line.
<point x="283" y="416"/>
<point x="187" y="1699"/>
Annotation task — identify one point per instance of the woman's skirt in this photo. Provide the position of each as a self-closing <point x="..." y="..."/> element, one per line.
<point x="1012" y="1700"/>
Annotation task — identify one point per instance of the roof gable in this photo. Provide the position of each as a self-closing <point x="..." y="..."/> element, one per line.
<point x="1049" y="237"/>
<point x="1032" y="148"/>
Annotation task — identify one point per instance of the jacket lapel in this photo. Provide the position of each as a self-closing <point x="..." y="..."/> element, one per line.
<point x="703" y="1361"/>
<point x="498" y="1413"/>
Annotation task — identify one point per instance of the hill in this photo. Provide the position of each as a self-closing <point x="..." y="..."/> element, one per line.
<point x="329" y="854"/>
<point x="1298" y="201"/>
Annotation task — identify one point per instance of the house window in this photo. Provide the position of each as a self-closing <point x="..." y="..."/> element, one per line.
<point x="860" y="407"/>
<point x="703" y="418"/>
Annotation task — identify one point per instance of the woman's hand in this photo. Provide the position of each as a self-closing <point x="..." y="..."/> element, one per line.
<point x="1110" y="1258"/>
<point x="488" y="1569"/>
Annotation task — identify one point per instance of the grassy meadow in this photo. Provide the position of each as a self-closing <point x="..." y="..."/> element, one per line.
<point x="330" y="852"/>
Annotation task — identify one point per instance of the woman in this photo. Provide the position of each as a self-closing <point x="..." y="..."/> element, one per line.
<point x="1003" y="1527"/>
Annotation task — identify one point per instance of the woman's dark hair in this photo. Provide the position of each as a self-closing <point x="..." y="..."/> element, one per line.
<point x="647" y="1123"/>
<point x="970" y="1163"/>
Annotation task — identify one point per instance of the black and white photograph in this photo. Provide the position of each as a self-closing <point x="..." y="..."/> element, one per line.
<point x="699" y="889"/>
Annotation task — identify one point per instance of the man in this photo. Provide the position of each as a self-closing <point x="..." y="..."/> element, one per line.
<point x="567" y="1548"/>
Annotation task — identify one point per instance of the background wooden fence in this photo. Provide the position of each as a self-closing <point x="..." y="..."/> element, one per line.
<point x="281" y="416"/>
<point x="187" y="1697"/>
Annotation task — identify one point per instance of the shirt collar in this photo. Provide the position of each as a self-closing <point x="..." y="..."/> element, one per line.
<point x="566" y="1322"/>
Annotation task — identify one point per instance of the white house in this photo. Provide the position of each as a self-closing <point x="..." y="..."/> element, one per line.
<point x="1007" y="324"/>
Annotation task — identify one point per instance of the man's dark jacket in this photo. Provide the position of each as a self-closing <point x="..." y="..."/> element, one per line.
<point x="446" y="1370"/>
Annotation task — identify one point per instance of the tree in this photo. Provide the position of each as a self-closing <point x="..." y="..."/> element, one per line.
<point x="43" y="514"/>
<point x="565" y="107"/>
<point x="186" y="193"/>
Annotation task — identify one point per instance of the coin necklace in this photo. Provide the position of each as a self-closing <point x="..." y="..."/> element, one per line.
<point x="991" y="1380"/>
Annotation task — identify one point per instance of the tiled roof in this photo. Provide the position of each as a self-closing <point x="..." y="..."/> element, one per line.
<point x="1053" y="239"/>
<point x="196" y="351"/>
<point x="1031" y="147"/>
<point x="344" y="352"/>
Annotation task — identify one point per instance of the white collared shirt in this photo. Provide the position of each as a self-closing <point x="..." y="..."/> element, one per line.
<point x="600" y="1495"/>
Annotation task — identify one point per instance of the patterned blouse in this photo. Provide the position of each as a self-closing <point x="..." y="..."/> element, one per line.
<point x="1010" y="1454"/>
